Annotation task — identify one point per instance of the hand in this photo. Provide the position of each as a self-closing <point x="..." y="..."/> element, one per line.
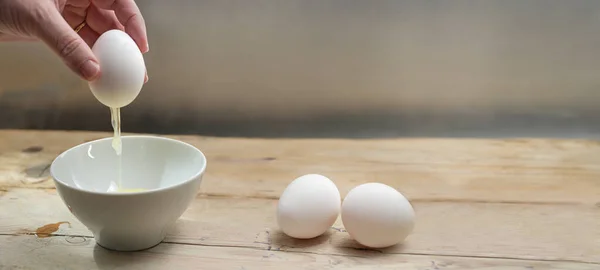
<point x="53" y="21"/>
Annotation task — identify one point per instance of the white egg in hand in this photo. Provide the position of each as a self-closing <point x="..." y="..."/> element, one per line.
<point x="377" y="216"/>
<point x="122" y="69"/>
<point x="308" y="206"/>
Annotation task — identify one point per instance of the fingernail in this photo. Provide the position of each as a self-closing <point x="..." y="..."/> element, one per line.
<point x="146" y="78"/>
<point x="90" y="69"/>
<point x="147" y="47"/>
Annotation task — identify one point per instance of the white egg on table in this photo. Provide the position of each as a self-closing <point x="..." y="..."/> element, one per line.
<point x="308" y="206"/>
<point x="122" y="69"/>
<point x="377" y="215"/>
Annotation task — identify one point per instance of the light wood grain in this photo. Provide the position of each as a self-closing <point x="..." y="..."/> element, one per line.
<point x="518" y="170"/>
<point x="491" y="230"/>
<point x="27" y="252"/>
<point x="481" y="204"/>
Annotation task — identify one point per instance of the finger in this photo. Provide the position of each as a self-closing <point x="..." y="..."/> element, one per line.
<point x="130" y="17"/>
<point x="73" y="17"/>
<point x="88" y="35"/>
<point x="102" y="20"/>
<point x="78" y="3"/>
<point x="59" y="36"/>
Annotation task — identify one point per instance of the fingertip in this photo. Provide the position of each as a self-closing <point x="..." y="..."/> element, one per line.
<point x="90" y="70"/>
<point x="139" y="39"/>
<point x="142" y="42"/>
<point x="143" y="47"/>
<point x="137" y="31"/>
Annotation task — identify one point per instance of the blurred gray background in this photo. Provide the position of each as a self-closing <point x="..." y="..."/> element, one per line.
<point x="329" y="68"/>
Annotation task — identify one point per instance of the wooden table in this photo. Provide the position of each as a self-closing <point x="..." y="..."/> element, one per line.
<point x="481" y="204"/>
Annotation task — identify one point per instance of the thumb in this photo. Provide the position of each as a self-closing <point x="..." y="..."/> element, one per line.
<point x="69" y="46"/>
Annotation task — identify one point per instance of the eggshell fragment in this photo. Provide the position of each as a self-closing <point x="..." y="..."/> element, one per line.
<point x="308" y="206"/>
<point x="377" y="215"/>
<point x="122" y="69"/>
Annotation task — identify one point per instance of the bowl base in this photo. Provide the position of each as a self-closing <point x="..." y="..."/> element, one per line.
<point x="128" y="250"/>
<point x="129" y="247"/>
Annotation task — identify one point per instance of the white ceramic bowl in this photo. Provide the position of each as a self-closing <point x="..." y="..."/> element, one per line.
<point x="171" y="172"/>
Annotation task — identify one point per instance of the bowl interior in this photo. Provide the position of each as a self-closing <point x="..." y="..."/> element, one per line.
<point x="146" y="162"/>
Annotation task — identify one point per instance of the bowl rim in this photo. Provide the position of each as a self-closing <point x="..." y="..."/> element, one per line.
<point x="200" y="172"/>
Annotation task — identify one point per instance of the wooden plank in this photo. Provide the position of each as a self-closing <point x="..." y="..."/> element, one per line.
<point x="489" y="230"/>
<point x="517" y="170"/>
<point x="27" y="252"/>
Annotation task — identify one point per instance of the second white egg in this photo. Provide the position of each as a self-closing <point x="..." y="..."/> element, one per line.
<point x="308" y="206"/>
<point x="377" y="215"/>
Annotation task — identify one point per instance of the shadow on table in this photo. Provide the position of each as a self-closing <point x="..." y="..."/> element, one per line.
<point x="279" y="241"/>
<point x="107" y="259"/>
<point x="348" y="246"/>
<point x="332" y="242"/>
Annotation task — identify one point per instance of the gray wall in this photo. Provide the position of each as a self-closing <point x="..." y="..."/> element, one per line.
<point x="338" y="68"/>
